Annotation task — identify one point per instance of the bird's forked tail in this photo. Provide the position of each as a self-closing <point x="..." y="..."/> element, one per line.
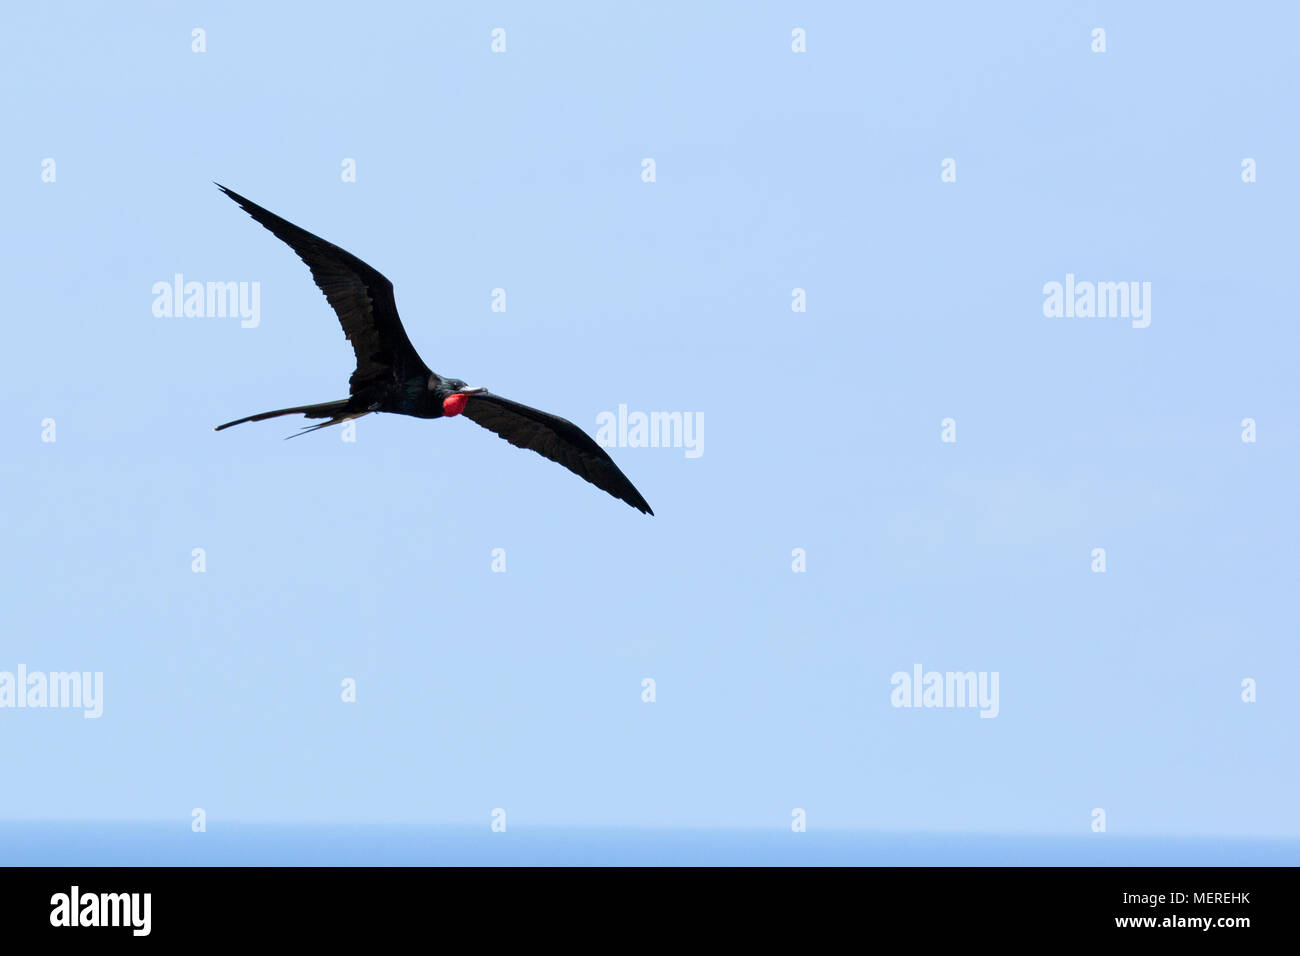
<point x="336" y="411"/>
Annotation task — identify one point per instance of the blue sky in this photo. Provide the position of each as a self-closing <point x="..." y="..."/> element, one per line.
<point x="774" y="170"/>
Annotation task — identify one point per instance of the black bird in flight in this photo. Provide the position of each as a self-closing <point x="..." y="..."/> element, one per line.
<point x="391" y="377"/>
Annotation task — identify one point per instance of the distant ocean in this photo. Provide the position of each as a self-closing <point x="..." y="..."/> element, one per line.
<point x="265" y="844"/>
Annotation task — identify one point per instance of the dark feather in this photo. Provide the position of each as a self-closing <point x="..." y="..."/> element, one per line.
<point x="322" y="410"/>
<point x="361" y="296"/>
<point x="554" y="438"/>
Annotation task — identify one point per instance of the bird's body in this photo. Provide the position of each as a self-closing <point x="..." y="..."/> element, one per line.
<point x="391" y="377"/>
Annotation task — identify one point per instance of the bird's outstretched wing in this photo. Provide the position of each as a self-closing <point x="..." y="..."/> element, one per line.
<point x="361" y="296"/>
<point x="554" y="438"/>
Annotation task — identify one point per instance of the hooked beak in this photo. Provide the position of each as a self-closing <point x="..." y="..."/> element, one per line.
<point x="454" y="403"/>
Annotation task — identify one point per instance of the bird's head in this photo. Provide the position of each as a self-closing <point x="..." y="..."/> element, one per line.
<point x="455" y="394"/>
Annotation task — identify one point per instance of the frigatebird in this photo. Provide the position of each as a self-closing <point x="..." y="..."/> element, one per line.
<point x="391" y="377"/>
